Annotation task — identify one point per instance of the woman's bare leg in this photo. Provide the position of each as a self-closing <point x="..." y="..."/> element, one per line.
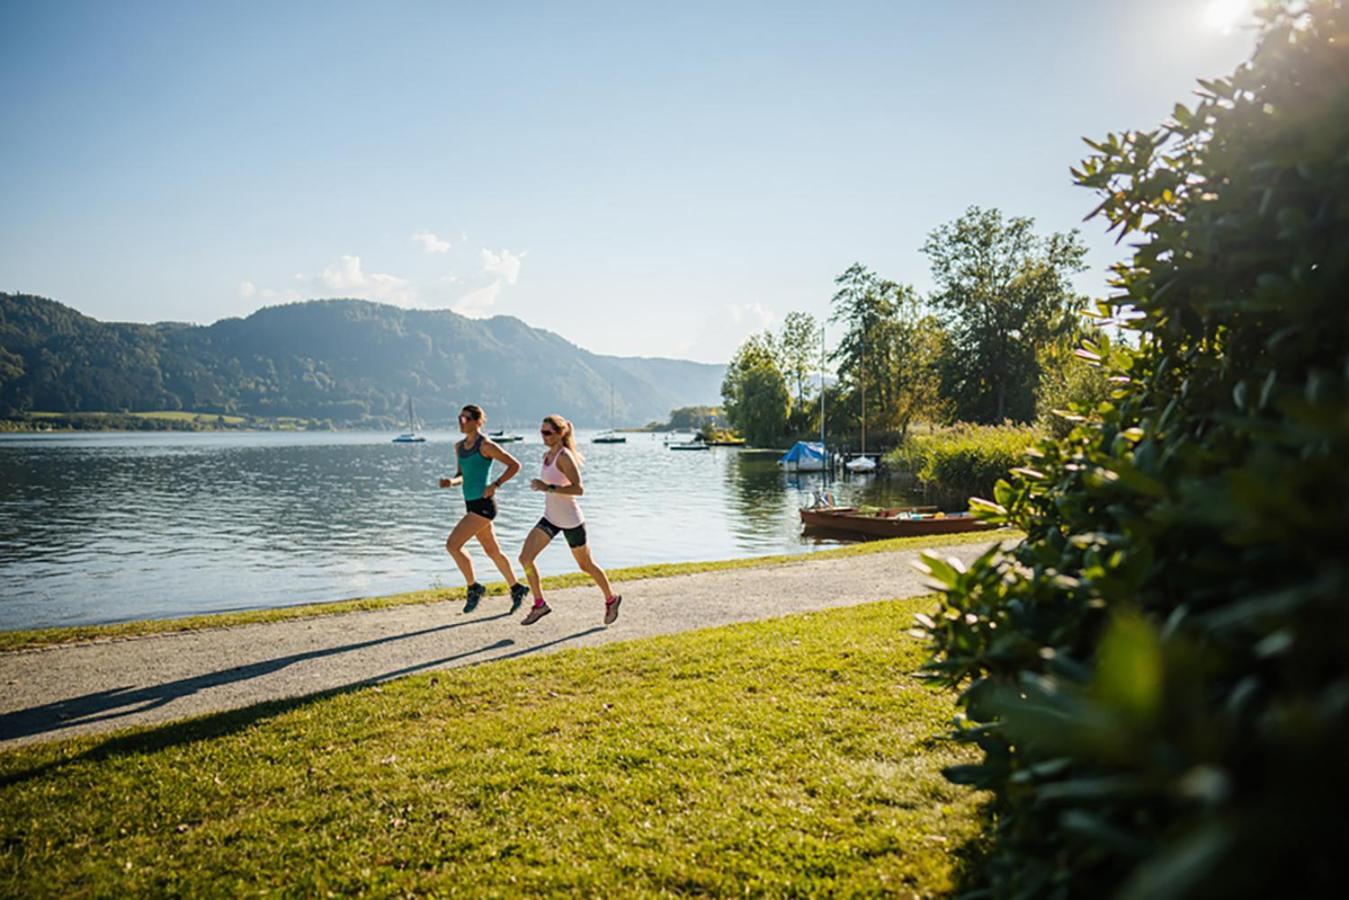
<point x="488" y="538"/>
<point x="468" y="526"/>
<point x="534" y="544"/>
<point x="591" y="568"/>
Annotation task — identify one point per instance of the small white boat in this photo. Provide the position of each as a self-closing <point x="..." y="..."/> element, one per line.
<point x="501" y="437"/>
<point x="610" y="436"/>
<point x="412" y="435"/>
<point x="861" y="464"/>
<point x="689" y="445"/>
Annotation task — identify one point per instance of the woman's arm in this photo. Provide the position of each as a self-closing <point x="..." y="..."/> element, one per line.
<point x="458" y="478"/>
<point x="491" y="450"/>
<point x="568" y="467"/>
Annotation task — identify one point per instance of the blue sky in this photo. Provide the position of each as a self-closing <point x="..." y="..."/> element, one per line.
<point x="642" y="178"/>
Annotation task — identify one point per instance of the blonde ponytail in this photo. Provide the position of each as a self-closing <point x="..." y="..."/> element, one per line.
<point x="564" y="428"/>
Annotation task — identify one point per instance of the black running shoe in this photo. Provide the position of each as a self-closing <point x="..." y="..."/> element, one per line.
<point x="535" y="614"/>
<point x="518" y="594"/>
<point x="475" y="593"/>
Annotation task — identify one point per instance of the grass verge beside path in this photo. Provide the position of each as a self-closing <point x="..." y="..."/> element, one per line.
<point x="23" y="640"/>
<point x="790" y="756"/>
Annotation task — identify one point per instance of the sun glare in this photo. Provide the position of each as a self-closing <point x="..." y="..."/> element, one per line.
<point x="1225" y="16"/>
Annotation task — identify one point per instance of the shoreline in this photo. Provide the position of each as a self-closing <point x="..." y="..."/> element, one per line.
<point x="64" y="635"/>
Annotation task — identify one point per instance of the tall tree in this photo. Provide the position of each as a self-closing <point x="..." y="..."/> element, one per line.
<point x="755" y="393"/>
<point x="799" y="349"/>
<point x="1001" y="291"/>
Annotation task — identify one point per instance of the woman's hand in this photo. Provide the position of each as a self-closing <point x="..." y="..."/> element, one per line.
<point x="451" y="482"/>
<point x="538" y="484"/>
<point x="488" y="491"/>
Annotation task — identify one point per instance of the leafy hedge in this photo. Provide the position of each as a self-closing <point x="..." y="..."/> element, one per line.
<point x="954" y="464"/>
<point x="1158" y="677"/>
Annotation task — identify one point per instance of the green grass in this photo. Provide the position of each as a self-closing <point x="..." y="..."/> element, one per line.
<point x="21" y="640"/>
<point x="787" y="757"/>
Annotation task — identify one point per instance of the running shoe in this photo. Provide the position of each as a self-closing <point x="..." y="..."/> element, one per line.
<point x="611" y="609"/>
<point x="475" y="593"/>
<point x="535" y="614"/>
<point x="518" y="594"/>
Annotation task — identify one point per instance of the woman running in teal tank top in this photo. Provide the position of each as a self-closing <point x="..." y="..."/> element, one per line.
<point x="474" y="455"/>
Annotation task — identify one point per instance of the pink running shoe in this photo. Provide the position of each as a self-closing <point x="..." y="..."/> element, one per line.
<point x="611" y="609"/>
<point x="535" y="614"/>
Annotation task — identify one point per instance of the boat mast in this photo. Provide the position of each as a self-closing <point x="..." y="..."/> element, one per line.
<point x="823" y="446"/>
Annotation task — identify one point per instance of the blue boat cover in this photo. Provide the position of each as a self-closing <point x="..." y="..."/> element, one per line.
<point x="804" y="450"/>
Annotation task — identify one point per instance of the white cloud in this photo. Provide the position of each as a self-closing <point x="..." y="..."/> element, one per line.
<point x="505" y="264"/>
<point x="478" y="304"/>
<point x="755" y="315"/>
<point x="502" y="268"/>
<point x="430" y="243"/>
<point x="345" y="278"/>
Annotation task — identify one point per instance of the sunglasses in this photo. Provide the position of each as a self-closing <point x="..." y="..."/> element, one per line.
<point x="466" y="418"/>
<point x="546" y="431"/>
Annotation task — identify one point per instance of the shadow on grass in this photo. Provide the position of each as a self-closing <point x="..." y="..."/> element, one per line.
<point x="215" y="725"/>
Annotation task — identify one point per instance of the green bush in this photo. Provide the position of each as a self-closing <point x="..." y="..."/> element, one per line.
<point x="953" y="464"/>
<point x="1157" y="676"/>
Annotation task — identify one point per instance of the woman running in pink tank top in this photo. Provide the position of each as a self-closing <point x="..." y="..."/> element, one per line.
<point x="561" y="481"/>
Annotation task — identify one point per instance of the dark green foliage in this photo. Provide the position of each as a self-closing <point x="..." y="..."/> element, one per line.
<point x="888" y="356"/>
<point x="953" y="464"/>
<point x="1002" y="292"/>
<point x="345" y="360"/>
<point x="1158" y="676"/>
<point x="755" y="393"/>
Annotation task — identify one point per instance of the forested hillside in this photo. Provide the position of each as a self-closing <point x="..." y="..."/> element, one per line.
<point x="349" y="361"/>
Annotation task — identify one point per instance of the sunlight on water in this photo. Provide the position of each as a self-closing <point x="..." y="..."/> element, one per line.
<point x="107" y="527"/>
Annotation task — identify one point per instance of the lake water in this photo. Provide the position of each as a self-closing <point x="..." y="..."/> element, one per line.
<point x="108" y="527"/>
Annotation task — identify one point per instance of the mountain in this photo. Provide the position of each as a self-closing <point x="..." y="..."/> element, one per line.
<point x="350" y="361"/>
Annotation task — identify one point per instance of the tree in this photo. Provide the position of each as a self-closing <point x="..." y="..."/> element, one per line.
<point x="1070" y="387"/>
<point x="1001" y="290"/>
<point x="799" y="351"/>
<point x="755" y="393"/>
<point x="889" y="351"/>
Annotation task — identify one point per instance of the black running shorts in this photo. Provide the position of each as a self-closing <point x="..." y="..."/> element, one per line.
<point x="576" y="537"/>
<point x="483" y="506"/>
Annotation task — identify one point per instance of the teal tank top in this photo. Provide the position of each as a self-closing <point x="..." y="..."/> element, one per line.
<point x="474" y="467"/>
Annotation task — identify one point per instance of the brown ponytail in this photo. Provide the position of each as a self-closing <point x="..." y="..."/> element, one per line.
<point x="564" y="428"/>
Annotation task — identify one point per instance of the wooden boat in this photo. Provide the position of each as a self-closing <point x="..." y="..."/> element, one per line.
<point x="888" y="523"/>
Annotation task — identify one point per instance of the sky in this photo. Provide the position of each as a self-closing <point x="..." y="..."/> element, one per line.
<point x="644" y="179"/>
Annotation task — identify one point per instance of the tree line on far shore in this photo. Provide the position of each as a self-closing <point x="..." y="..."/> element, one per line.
<point x="993" y="343"/>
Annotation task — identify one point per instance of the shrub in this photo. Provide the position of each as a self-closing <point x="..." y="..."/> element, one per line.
<point x="1157" y="676"/>
<point x="953" y="464"/>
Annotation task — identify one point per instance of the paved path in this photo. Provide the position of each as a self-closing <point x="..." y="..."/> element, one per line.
<point x="83" y="688"/>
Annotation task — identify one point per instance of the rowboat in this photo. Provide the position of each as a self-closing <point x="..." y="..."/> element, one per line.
<point x="888" y="523"/>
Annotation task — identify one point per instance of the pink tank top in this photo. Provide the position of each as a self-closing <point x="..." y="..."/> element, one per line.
<point x="560" y="509"/>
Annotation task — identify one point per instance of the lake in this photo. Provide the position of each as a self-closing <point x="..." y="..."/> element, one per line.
<point x="105" y="527"/>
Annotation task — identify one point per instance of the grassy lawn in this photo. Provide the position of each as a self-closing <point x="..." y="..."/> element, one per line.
<point x="19" y="640"/>
<point x="783" y="757"/>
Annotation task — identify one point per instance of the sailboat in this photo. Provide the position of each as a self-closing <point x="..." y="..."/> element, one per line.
<point x="862" y="463"/>
<point x="411" y="436"/>
<point x="610" y="436"/>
